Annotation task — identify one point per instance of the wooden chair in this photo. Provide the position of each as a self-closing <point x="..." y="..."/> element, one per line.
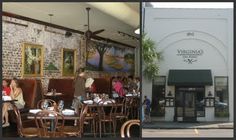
<point x="76" y="130"/>
<point x="106" y="117"/>
<point x="125" y="129"/>
<point x="122" y="113"/>
<point x="49" y="119"/>
<point x="24" y="132"/>
<point x="91" y="117"/>
<point x="50" y="102"/>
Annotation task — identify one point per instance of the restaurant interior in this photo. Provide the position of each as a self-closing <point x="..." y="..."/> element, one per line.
<point x="70" y="69"/>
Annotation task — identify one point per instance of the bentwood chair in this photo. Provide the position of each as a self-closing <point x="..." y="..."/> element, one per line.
<point x="106" y="116"/>
<point x="122" y="113"/>
<point x="77" y="130"/>
<point x="50" y="103"/>
<point x="24" y="132"/>
<point x="49" y="119"/>
<point x="125" y="129"/>
<point x="91" y="117"/>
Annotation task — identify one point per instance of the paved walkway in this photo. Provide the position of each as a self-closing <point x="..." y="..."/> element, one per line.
<point x="183" y="125"/>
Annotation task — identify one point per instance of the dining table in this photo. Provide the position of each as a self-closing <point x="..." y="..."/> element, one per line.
<point x="75" y="116"/>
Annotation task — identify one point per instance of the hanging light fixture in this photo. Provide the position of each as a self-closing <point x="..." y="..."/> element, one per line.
<point x="50" y="35"/>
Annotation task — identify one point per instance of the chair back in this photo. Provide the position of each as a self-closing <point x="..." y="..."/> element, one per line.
<point x="18" y="120"/>
<point x="125" y="129"/>
<point x="104" y="108"/>
<point x="46" y="120"/>
<point x="50" y="103"/>
<point x="84" y="111"/>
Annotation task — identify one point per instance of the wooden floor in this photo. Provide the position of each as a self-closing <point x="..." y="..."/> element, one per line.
<point x="11" y="131"/>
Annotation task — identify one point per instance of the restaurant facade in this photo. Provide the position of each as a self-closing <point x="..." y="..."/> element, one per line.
<point x="195" y="80"/>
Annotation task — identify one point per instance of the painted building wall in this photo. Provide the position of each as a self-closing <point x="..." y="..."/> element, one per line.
<point x="206" y="30"/>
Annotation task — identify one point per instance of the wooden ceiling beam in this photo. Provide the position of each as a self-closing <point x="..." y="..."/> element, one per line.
<point x="61" y="27"/>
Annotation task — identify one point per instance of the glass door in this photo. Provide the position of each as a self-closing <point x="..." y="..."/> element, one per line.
<point x="189" y="107"/>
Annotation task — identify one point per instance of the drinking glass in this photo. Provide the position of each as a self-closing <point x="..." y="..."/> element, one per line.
<point x="45" y="105"/>
<point x="60" y="105"/>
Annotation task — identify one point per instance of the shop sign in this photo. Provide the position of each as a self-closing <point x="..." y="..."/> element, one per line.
<point x="190" y="56"/>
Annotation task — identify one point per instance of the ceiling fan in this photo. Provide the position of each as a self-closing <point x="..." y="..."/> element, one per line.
<point x="89" y="34"/>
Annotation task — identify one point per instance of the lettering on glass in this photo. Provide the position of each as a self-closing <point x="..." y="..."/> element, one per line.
<point x="190" y="56"/>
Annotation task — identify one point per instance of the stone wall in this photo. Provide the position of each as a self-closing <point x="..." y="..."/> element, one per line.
<point x="14" y="35"/>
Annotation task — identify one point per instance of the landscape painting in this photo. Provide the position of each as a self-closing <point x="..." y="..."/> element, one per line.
<point x="110" y="58"/>
<point x="68" y="62"/>
<point x="32" y="60"/>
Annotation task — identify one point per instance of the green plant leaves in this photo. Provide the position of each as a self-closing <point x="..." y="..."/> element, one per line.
<point x="150" y="58"/>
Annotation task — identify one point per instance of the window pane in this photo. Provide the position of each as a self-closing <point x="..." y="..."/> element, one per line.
<point x="158" y="97"/>
<point x="179" y="103"/>
<point x="221" y="97"/>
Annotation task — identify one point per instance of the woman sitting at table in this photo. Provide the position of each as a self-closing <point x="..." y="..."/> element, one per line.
<point x="16" y="94"/>
<point x="6" y="90"/>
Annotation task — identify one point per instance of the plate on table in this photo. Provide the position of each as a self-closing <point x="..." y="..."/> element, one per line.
<point x="49" y="94"/>
<point x="58" y="94"/>
<point x="34" y="111"/>
<point x="88" y="102"/>
<point x="68" y="112"/>
<point x="129" y="95"/>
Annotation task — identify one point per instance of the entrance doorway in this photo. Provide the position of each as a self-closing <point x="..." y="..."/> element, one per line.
<point x="187" y="102"/>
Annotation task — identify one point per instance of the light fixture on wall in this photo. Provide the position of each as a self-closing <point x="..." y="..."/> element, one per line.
<point x="209" y="94"/>
<point x="169" y="94"/>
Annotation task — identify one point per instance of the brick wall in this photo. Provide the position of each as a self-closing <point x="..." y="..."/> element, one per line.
<point x="14" y="35"/>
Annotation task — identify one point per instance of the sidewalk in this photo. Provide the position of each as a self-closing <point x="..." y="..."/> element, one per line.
<point x="183" y="125"/>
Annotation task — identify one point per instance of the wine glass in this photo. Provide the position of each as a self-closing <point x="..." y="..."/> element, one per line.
<point x="60" y="105"/>
<point x="45" y="105"/>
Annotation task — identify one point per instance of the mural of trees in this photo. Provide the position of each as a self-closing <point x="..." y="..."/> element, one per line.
<point x="102" y="56"/>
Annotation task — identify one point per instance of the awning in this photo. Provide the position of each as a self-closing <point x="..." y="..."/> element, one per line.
<point x="190" y="77"/>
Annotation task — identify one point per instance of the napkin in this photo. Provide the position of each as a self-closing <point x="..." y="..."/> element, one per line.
<point x="6" y="98"/>
<point x="89" y="82"/>
<point x="49" y="93"/>
<point x="68" y="112"/>
<point x="51" y="108"/>
<point x="129" y="95"/>
<point x="34" y="111"/>
<point x="88" y="102"/>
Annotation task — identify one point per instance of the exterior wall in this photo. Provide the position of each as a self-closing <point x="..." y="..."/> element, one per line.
<point x="208" y="30"/>
<point x="14" y="35"/>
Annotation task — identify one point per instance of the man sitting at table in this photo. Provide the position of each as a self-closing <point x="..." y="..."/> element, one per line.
<point x="16" y="94"/>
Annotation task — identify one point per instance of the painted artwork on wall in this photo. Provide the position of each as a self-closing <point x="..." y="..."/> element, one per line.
<point x="68" y="62"/>
<point x="32" y="60"/>
<point x="110" y="58"/>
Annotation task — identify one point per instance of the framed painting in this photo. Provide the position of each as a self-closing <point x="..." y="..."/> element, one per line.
<point x="32" y="60"/>
<point x="68" y="62"/>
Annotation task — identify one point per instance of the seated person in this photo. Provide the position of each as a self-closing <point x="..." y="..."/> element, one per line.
<point x="118" y="87"/>
<point x="16" y="94"/>
<point x="132" y="85"/>
<point x="6" y="90"/>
